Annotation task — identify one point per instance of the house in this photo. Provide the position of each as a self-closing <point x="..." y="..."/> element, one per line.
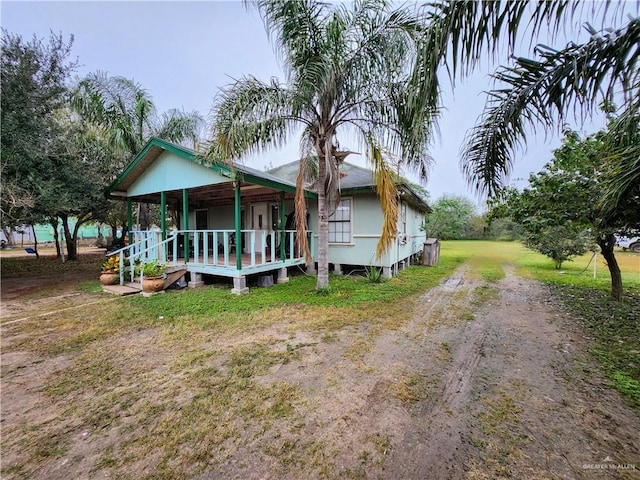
<point x="232" y="219"/>
<point x="355" y="228"/>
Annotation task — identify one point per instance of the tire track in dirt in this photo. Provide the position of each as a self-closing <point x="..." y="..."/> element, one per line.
<point x="513" y="400"/>
<point x="430" y="444"/>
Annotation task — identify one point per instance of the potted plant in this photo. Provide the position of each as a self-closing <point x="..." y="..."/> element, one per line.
<point x="110" y="271"/>
<point x="152" y="276"/>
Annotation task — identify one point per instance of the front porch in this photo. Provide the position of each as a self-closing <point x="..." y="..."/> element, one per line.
<point x="214" y="252"/>
<point x="233" y="221"/>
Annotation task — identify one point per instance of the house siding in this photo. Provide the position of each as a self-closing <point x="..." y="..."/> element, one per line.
<point x="171" y="172"/>
<point x="367" y="218"/>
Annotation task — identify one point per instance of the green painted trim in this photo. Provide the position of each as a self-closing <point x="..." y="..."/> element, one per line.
<point x="232" y="173"/>
<point x="130" y="220"/>
<point x="283" y="224"/>
<point x="185" y="222"/>
<point x="130" y="167"/>
<point x="236" y="188"/>
<point x="163" y="214"/>
<point x="247" y="177"/>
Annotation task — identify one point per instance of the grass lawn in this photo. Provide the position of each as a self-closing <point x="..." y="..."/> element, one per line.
<point x="488" y="257"/>
<point x="176" y="376"/>
<point x="615" y="326"/>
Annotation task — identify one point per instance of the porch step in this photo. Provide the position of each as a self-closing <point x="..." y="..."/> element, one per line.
<point x="173" y="275"/>
<point x="126" y="289"/>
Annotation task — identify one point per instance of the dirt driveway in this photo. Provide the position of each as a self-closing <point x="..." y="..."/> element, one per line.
<point x="486" y="380"/>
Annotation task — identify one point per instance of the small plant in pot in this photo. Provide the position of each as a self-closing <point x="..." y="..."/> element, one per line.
<point x="152" y="276"/>
<point x="110" y="271"/>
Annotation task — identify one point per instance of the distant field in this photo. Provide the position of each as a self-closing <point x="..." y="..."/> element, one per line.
<point x="488" y="257"/>
<point x="615" y="326"/>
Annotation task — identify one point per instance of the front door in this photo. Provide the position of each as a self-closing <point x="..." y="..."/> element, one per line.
<point x="202" y="219"/>
<point x="259" y="222"/>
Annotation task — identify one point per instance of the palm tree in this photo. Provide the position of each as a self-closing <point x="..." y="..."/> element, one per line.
<point x="127" y="113"/>
<point x="366" y="70"/>
<point x="545" y="91"/>
<point x="346" y="73"/>
<point x="128" y="117"/>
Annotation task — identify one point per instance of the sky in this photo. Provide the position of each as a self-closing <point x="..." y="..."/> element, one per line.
<point x="184" y="52"/>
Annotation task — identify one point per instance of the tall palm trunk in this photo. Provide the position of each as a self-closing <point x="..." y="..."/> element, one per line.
<point x="323" y="217"/>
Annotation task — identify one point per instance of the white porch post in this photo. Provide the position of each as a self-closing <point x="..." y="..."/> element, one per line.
<point x="240" y="281"/>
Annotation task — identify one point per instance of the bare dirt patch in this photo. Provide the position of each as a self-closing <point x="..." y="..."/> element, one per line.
<point x="482" y="381"/>
<point x="31" y="286"/>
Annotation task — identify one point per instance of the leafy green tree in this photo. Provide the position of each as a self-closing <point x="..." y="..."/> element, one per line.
<point x="451" y="218"/>
<point x="567" y="196"/>
<point x="125" y="112"/>
<point x="34" y="76"/>
<point x="74" y="189"/>
<point x="559" y="242"/>
<point x="502" y="229"/>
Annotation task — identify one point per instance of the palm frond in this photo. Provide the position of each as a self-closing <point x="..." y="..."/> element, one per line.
<point x="543" y="92"/>
<point x="622" y="142"/>
<point x="251" y="116"/>
<point x="387" y="192"/>
<point x="296" y="28"/>
<point x="301" y="208"/>
<point x="179" y="126"/>
<point x="462" y="31"/>
<point x="123" y="107"/>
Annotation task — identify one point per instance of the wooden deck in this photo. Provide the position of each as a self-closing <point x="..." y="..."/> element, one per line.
<point x="126" y="289"/>
<point x="264" y="257"/>
<point x="211" y="265"/>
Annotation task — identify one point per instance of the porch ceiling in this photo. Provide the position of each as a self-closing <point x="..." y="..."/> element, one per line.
<point x="217" y="195"/>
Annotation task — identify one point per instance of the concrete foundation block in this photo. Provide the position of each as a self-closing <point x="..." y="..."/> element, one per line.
<point x="387" y="272"/>
<point x="265" y="281"/>
<point x="240" y="286"/>
<point x="196" y="281"/>
<point x="283" y="276"/>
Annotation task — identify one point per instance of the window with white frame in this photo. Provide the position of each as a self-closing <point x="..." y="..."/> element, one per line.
<point x="340" y="223"/>
<point x="403" y="218"/>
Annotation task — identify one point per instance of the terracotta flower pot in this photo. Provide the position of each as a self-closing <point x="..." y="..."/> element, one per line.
<point x="152" y="284"/>
<point x="110" y="278"/>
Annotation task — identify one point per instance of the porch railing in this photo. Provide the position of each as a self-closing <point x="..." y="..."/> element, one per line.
<point x="216" y="248"/>
<point x="141" y="253"/>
